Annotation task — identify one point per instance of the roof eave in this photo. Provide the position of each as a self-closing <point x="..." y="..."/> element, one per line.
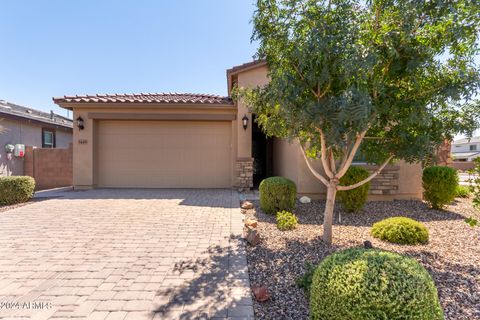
<point x="148" y="105"/>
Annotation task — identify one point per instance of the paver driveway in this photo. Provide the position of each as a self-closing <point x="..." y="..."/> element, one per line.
<point x="125" y="254"/>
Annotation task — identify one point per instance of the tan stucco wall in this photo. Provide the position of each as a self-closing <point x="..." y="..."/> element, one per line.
<point x="84" y="155"/>
<point x="289" y="162"/>
<point x="409" y="181"/>
<point x="248" y="79"/>
<point x="285" y="162"/>
<point x="29" y="135"/>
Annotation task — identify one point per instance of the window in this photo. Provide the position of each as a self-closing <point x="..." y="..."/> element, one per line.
<point x="359" y="157"/>
<point x="48" y="138"/>
<point x="473" y="147"/>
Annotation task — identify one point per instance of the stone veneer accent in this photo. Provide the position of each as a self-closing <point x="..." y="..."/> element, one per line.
<point x="386" y="182"/>
<point x="244" y="173"/>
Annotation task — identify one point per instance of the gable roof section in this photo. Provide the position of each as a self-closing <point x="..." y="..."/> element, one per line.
<point x="17" y="112"/>
<point x="234" y="71"/>
<point x="246" y="66"/>
<point x="162" y="98"/>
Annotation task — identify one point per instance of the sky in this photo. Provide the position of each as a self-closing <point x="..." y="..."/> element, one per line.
<point x="51" y="48"/>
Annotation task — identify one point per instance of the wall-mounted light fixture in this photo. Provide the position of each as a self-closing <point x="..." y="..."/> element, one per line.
<point x="245" y="122"/>
<point x="80" y="123"/>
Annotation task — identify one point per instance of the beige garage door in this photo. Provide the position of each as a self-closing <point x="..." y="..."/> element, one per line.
<point x="164" y="154"/>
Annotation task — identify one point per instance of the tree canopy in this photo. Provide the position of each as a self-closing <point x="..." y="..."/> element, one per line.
<point x="403" y="69"/>
<point x="392" y="79"/>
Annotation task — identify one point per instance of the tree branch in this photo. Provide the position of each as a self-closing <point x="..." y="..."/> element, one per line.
<point x="332" y="162"/>
<point x="350" y="157"/>
<point x="373" y="175"/>
<point x="303" y="79"/>
<point x="323" y="153"/>
<point x="314" y="172"/>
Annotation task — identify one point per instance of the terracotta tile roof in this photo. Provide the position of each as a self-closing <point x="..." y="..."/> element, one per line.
<point x="174" y="98"/>
<point x="246" y="66"/>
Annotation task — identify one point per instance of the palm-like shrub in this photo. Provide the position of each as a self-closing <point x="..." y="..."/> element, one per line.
<point x="400" y="230"/>
<point x="370" y="284"/>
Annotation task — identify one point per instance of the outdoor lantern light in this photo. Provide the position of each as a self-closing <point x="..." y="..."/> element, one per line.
<point x="80" y="123"/>
<point x="245" y="122"/>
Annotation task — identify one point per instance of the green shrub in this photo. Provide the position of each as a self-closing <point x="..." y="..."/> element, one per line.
<point x="439" y="185"/>
<point x="286" y="220"/>
<point x="462" y="192"/>
<point x="475" y="183"/>
<point x="354" y="200"/>
<point x="400" y="230"/>
<point x="370" y="284"/>
<point x="277" y="194"/>
<point x="304" y="282"/>
<point x="16" y="189"/>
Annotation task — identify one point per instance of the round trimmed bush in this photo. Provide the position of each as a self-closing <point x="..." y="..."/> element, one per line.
<point x="286" y="220"/>
<point x="16" y="189"/>
<point x="370" y="284"/>
<point x="400" y="230"/>
<point x="354" y="200"/>
<point x="277" y="194"/>
<point x="439" y="185"/>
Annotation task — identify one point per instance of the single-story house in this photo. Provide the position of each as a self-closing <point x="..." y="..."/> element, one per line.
<point x="173" y="140"/>
<point x="30" y="127"/>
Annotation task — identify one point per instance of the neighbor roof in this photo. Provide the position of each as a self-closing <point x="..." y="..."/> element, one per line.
<point x="17" y="112"/>
<point x="170" y="98"/>
<point x="467" y="140"/>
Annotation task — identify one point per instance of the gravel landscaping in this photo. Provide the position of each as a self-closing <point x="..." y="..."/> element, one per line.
<point x="452" y="255"/>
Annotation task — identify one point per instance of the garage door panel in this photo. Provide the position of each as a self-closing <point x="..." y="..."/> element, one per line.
<point x="164" y="154"/>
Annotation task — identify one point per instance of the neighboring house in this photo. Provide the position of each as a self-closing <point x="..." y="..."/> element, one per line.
<point x="22" y="125"/>
<point x="466" y="150"/>
<point x="196" y="141"/>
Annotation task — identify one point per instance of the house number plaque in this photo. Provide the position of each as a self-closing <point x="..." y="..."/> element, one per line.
<point x="82" y="141"/>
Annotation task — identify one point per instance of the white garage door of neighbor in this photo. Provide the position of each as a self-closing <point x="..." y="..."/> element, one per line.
<point x="164" y="154"/>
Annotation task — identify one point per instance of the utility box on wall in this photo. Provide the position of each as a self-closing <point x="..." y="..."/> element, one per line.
<point x="19" y="150"/>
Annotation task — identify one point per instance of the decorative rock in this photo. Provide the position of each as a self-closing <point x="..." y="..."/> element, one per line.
<point x="367" y="244"/>
<point x="305" y="199"/>
<point x="251" y="223"/>
<point x="247" y="205"/>
<point x="261" y="294"/>
<point x="252" y="236"/>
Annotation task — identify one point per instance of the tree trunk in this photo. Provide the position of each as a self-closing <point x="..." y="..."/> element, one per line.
<point x="328" y="214"/>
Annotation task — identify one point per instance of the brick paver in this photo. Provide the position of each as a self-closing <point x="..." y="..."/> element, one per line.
<point x="125" y="254"/>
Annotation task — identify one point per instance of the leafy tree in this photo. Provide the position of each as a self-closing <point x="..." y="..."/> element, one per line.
<point x="390" y="78"/>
